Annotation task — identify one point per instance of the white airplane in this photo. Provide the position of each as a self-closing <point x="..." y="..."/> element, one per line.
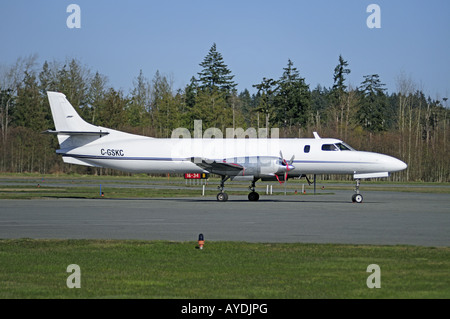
<point x="232" y="158"/>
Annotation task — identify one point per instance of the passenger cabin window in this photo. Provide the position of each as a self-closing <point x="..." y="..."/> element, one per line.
<point x="329" y="147"/>
<point x="307" y="148"/>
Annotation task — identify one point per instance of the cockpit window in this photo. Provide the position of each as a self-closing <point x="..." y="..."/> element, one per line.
<point x="344" y="147"/>
<point x="329" y="147"/>
<point x="337" y="147"/>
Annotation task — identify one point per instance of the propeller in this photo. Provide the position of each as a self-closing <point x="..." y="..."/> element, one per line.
<point x="289" y="167"/>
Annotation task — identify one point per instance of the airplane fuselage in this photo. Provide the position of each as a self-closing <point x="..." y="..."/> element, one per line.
<point x="138" y="154"/>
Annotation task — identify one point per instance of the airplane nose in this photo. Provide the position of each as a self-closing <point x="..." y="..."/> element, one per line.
<point x="383" y="163"/>
<point x="396" y="165"/>
<point x="402" y="165"/>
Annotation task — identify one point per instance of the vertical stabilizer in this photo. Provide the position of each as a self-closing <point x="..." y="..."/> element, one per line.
<point x="65" y="116"/>
<point x="71" y="129"/>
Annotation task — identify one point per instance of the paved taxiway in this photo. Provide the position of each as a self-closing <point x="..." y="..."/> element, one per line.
<point x="384" y="218"/>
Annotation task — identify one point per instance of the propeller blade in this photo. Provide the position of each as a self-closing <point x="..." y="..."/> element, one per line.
<point x="292" y="160"/>
<point x="282" y="159"/>
<point x="288" y="168"/>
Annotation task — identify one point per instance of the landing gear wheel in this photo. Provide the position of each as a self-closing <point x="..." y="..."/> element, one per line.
<point x="253" y="196"/>
<point x="222" y="197"/>
<point x="357" y="198"/>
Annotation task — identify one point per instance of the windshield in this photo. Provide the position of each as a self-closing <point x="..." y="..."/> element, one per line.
<point x="344" y="147"/>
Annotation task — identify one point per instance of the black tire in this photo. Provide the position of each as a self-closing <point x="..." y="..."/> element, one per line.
<point x="357" y="198"/>
<point x="222" y="197"/>
<point x="253" y="196"/>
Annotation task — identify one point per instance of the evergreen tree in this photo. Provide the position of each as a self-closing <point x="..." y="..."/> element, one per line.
<point x="187" y="105"/>
<point x="247" y="108"/>
<point x="339" y="77"/>
<point x="215" y="74"/>
<point x="96" y="94"/>
<point x="339" y="104"/>
<point x="213" y="110"/>
<point x="266" y="95"/>
<point x="190" y="94"/>
<point x="46" y="79"/>
<point x="112" y="110"/>
<point x="27" y="103"/>
<point x="73" y="82"/>
<point x="293" y="98"/>
<point x="372" y="113"/>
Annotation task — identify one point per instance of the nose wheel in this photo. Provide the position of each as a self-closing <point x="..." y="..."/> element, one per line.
<point x="357" y="198"/>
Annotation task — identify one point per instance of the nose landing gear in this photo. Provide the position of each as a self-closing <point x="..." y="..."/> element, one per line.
<point x="357" y="197"/>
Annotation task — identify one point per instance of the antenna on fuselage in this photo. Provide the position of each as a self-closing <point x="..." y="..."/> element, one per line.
<point x="316" y="136"/>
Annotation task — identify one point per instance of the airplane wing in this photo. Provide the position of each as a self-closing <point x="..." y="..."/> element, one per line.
<point x="217" y="167"/>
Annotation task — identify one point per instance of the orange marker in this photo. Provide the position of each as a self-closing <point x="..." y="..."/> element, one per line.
<point x="201" y="241"/>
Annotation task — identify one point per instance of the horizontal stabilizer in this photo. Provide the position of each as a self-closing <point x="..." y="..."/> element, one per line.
<point x="71" y="160"/>
<point x="100" y="133"/>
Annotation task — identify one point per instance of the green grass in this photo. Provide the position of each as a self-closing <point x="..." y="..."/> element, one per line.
<point x="32" y="192"/>
<point x="159" y="269"/>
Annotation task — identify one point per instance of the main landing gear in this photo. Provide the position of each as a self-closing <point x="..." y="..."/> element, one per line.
<point x="253" y="196"/>
<point x="357" y="197"/>
<point x="222" y="196"/>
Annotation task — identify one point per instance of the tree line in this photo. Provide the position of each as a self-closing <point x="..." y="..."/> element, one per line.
<point x="405" y="124"/>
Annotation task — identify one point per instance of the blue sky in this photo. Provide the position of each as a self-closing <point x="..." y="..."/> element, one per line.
<point x="256" y="39"/>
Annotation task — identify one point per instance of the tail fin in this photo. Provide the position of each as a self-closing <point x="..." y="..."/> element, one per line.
<point x="65" y="116"/>
<point x="71" y="129"/>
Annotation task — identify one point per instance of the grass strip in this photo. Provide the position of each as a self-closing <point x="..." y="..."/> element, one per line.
<point x="160" y="269"/>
